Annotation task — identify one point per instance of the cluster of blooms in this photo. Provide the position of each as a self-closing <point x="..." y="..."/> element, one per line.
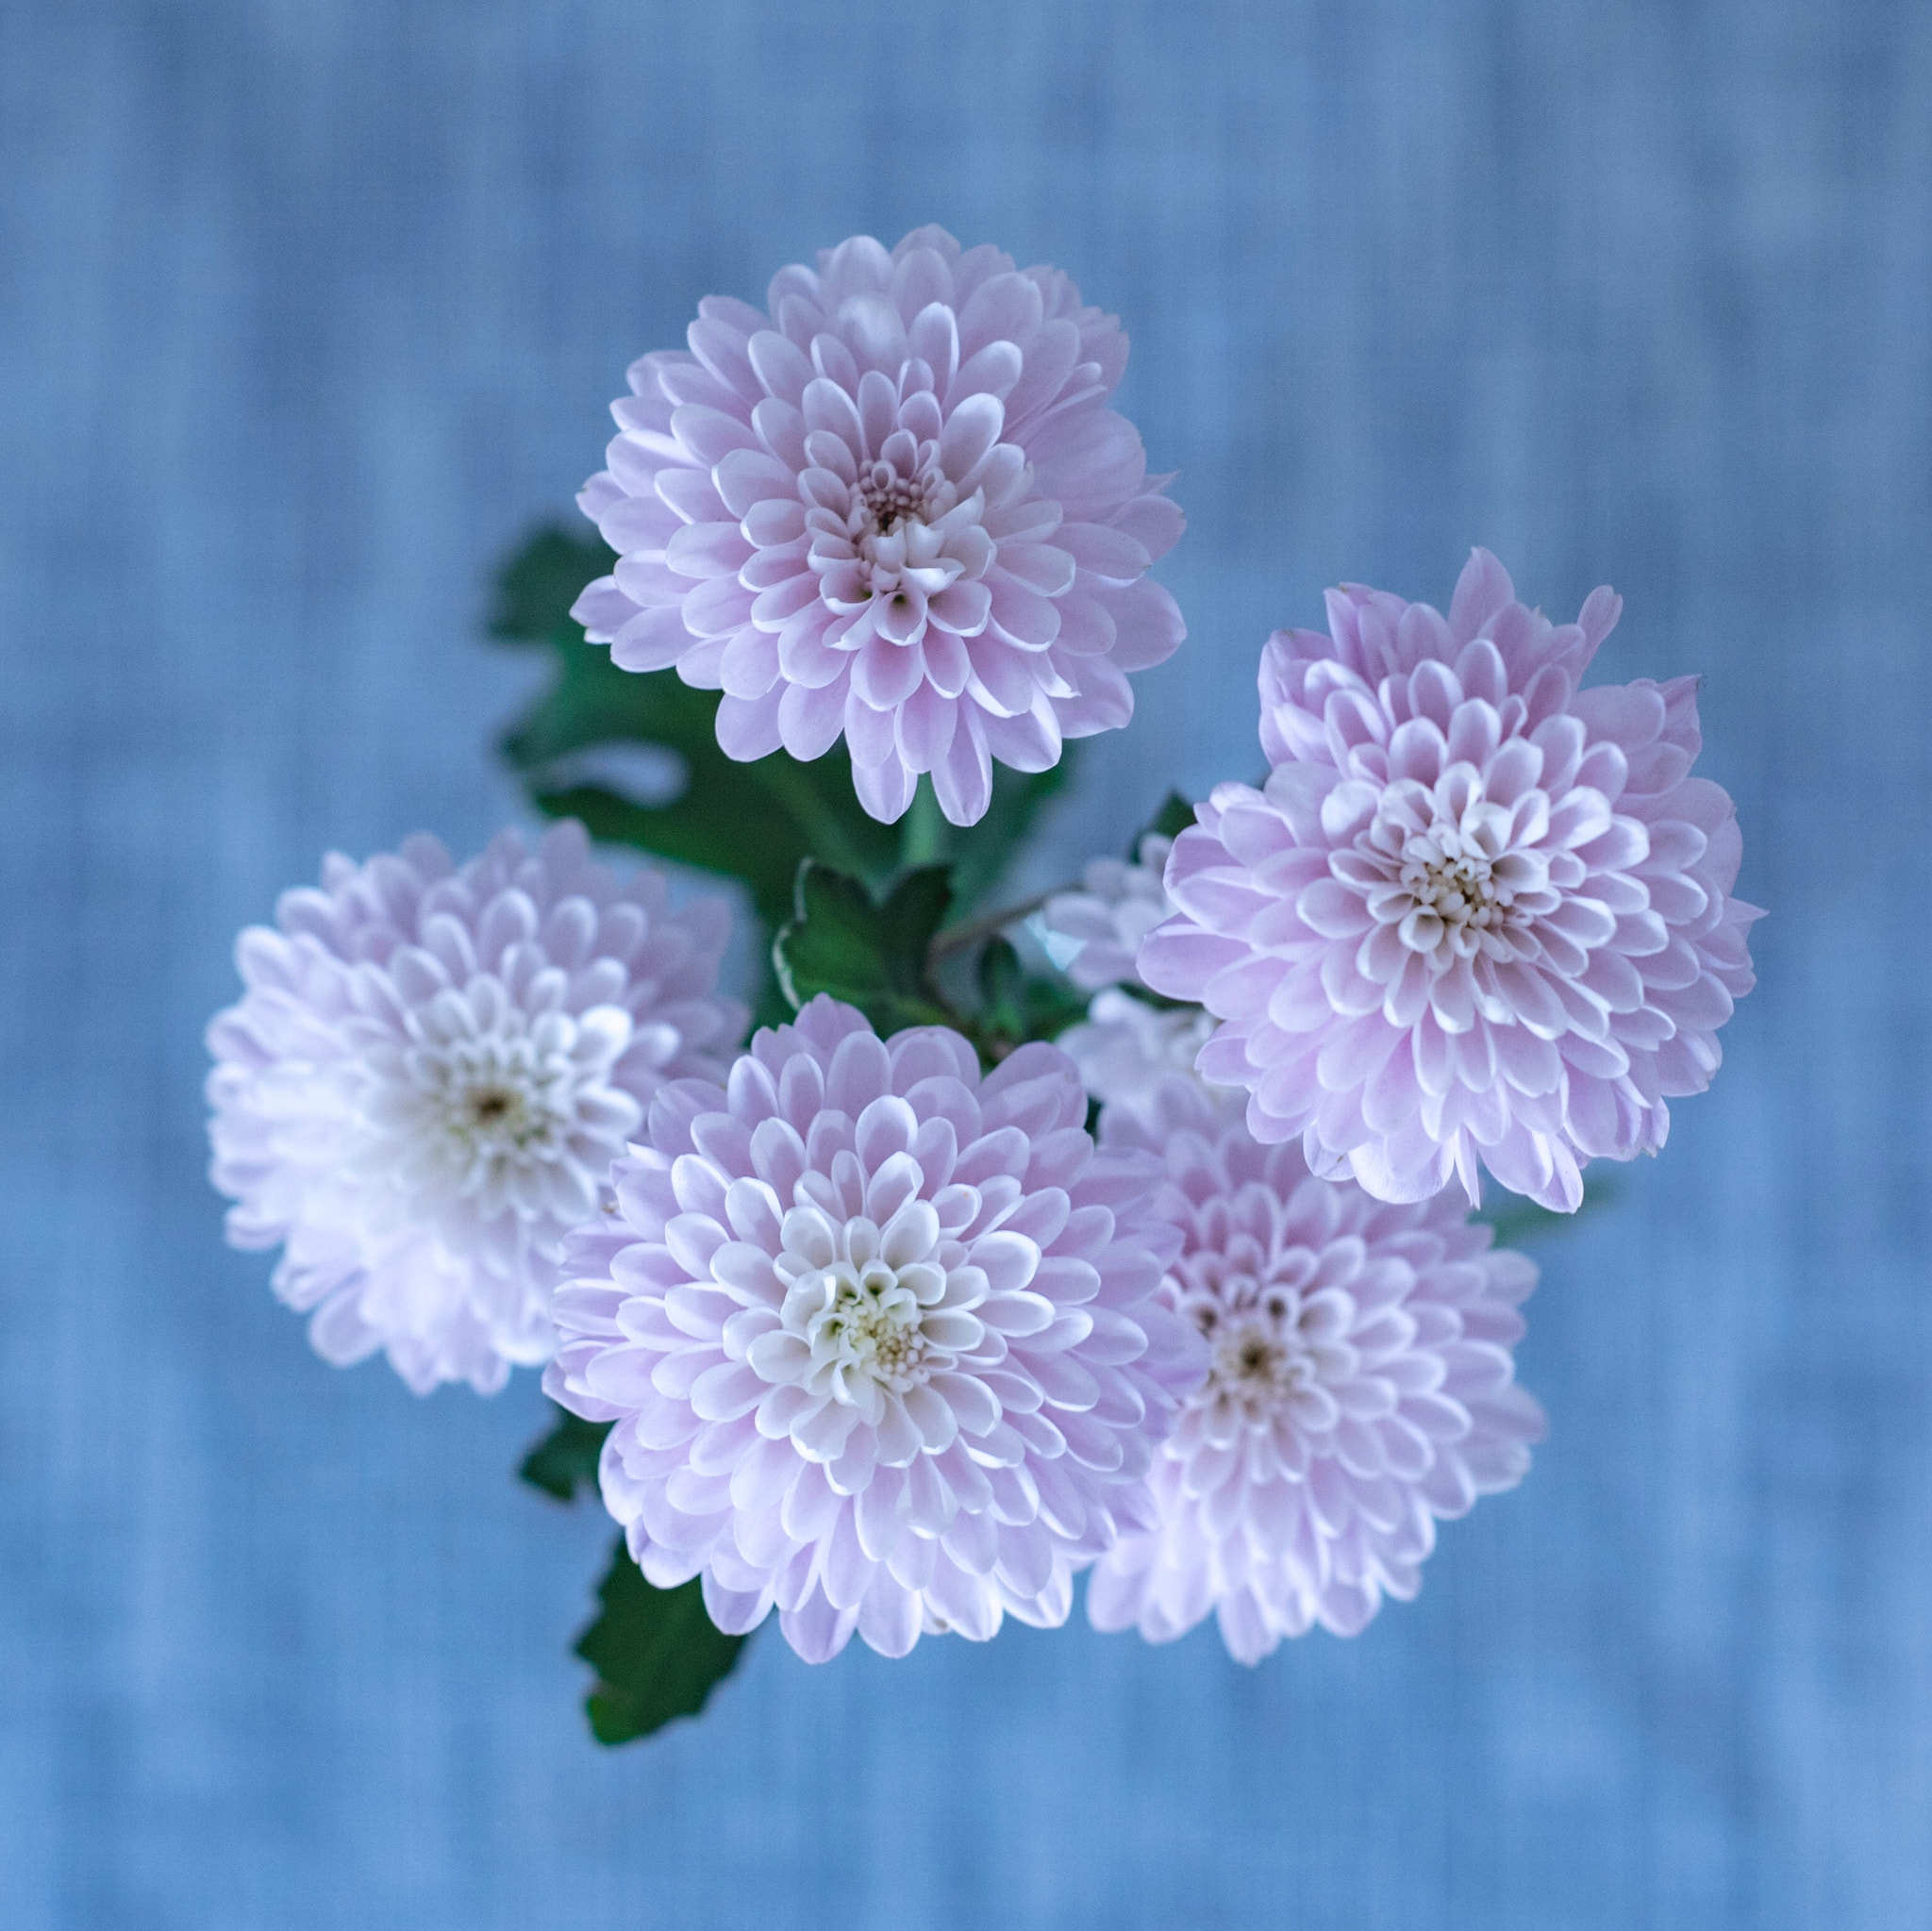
<point x="890" y="1346"/>
<point x="893" y="1344"/>
<point x="893" y="505"/>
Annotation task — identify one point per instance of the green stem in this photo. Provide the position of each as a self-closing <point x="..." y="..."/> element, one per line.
<point x="788" y="782"/>
<point x="954" y="937"/>
<point x="926" y="836"/>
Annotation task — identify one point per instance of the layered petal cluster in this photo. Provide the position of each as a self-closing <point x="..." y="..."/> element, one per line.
<point x="1477" y="913"/>
<point x="1095" y="935"/>
<point x="427" y="1078"/>
<point x="894" y="504"/>
<point x="1128" y="1052"/>
<point x="1129" y="1048"/>
<point x="882" y="1340"/>
<point x="1360" y="1388"/>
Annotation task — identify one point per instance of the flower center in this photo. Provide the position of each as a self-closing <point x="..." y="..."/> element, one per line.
<point x="1452" y="879"/>
<point x="499" y="1104"/>
<point x="890" y="499"/>
<point x="867" y="1321"/>
<point x="900" y="497"/>
<point x="1276" y="1324"/>
<point x="1257" y="1356"/>
<point x="1444" y="867"/>
<point x="485" y="1110"/>
<point x="862" y="1300"/>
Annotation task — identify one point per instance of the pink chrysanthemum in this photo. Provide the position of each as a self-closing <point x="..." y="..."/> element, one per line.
<point x="1127" y="1050"/>
<point x="897" y="506"/>
<point x="1360" y="1388"/>
<point x="1475" y="913"/>
<point x="429" y="1075"/>
<point x="881" y="1339"/>
<point x="1095" y="935"/>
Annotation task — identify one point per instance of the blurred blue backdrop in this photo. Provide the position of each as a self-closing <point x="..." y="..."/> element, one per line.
<point x="307" y="310"/>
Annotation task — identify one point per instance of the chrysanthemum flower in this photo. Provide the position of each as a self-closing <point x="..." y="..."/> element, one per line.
<point x="1127" y="1050"/>
<point x="430" y="1075"/>
<point x="1128" y="1047"/>
<point x="1360" y="1388"/>
<point x="1476" y="912"/>
<point x="896" y="505"/>
<point x="1095" y="935"/>
<point x="880" y="1338"/>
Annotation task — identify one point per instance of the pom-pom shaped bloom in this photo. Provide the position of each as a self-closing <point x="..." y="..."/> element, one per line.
<point x="1095" y="935"/>
<point x="896" y="505"/>
<point x="1360" y="1388"/>
<point x="430" y="1075"/>
<point x="1475" y="913"/>
<point x="1128" y="1051"/>
<point x="881" y="1341"/>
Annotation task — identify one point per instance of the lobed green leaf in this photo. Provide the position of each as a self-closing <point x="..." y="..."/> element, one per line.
<point x="1174" y="816"/>
<point x="1016" y="1005"/>
<point x="566" y="1458"/>
<point x="871" y="954"/>
<point x="657" y="1654"/>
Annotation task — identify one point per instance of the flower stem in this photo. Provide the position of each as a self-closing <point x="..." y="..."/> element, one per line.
<point x="975" y="929"/>
<point x="925" y="840"/>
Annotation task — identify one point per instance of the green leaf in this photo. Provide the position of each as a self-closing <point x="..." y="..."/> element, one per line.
<point x="715" y="828"/>
<point x="1016" y="1006"/>
<point x="536" y="587"/>
<point x="1001" y="979"/>
<point x="1174" y="816"/>
<point x="1516" y="1220"/>
<point x="566" y="1458"/>
<point x="657" y="1654"/>
<point x="754" y="821"/>
<point x="872" y="956"/>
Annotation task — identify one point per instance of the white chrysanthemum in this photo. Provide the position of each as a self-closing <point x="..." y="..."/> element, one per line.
<point x="1361" y="1387"/>
<point x="430" y="1075"/>
<point x="880" y="1338"/>
<point x="1127" y="1050"/>
<point x="1094" y="936"/>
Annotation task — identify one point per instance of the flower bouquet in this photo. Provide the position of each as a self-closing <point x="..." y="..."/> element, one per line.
<point x="1129" y="1231"/>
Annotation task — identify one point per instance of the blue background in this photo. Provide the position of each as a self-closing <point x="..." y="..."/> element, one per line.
<point x="307" y="310"/>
